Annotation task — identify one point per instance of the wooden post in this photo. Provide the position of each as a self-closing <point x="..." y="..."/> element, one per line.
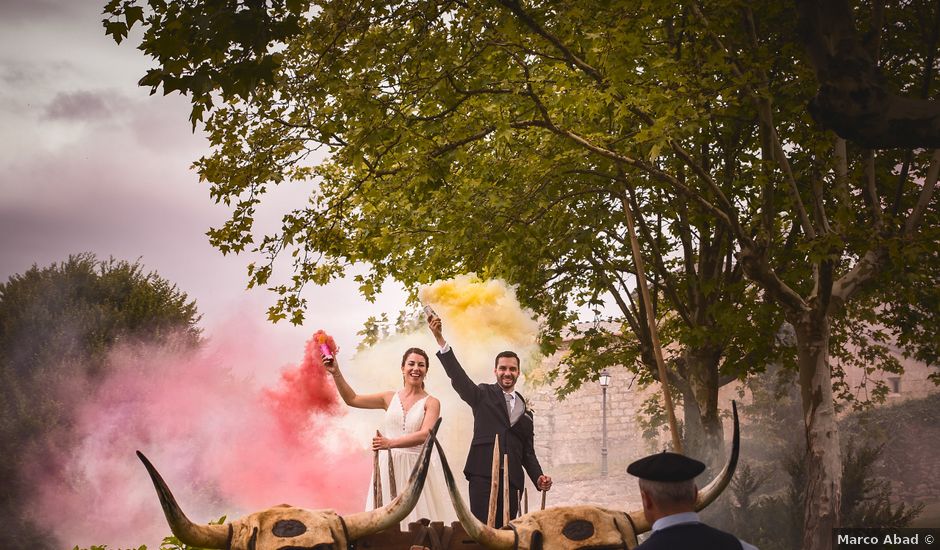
<point x="392" y="485"/>
<point x="376" y="478"/>
<point x="505" y="477"/>
<point x="651" y="321"/>
<point x="494" y="485"/>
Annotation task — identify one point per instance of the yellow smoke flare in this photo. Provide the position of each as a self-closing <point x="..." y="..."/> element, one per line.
<point x="482" y="313"/>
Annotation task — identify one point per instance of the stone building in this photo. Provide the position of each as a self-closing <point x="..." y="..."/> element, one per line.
<point x="569" y="432"/>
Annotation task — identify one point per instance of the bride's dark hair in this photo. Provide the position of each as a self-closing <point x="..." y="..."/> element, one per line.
<point x="422" y="353"/>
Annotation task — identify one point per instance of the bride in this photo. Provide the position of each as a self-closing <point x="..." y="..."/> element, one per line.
<point x="410" y="413"/>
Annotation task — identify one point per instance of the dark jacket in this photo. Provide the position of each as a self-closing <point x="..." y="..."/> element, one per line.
<point x="690" y="535"/>
<point x="490" y="418"/>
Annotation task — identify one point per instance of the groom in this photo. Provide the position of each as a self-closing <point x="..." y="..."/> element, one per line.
<point x="497" y="410"/>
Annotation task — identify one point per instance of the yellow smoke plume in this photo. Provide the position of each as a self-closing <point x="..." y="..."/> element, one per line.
<point x="482" y="317"/>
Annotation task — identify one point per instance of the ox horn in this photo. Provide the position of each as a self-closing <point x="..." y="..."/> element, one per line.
<point x="192" y="534"/>
<point x="365" y="523"/>
<point x="496" y="539"/>
<point x="710" y="492"/>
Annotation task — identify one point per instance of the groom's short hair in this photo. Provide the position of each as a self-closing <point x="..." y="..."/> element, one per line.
<point x="506" y="354"/>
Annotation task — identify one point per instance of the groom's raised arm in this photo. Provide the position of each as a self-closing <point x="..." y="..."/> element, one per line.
<point x="463" y="385"/>
<point x="466" y="389"/>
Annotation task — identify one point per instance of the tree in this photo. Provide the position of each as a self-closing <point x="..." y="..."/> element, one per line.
<point x="584" y="269"/>
<point x="58" y="323"/>
<point x="509" y="138"/>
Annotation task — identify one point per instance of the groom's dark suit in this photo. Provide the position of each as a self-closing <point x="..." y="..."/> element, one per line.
<point x="491" y="417"/>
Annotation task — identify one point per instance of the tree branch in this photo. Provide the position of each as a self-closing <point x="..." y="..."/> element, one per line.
<point x="846" y="286"/>
<point x="842" y="173"/>
<point x="871" y="191"/>
<point x="926" y="194"/>
<point x="853" y="98"/>
<point x="754" y="262"/>
<point x="668" y="284"/>
<point x="573" y="59"/>
<point x="765" y="116"/>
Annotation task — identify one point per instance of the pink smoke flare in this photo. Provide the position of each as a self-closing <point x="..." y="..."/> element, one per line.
<point x="224" y="445"/>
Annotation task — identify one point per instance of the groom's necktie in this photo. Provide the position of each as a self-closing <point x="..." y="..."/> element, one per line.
<point x="510" y="400"/>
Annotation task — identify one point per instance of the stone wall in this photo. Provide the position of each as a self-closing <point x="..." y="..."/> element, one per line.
<point x="570" y="431"/>
<point x="569" y="438"/>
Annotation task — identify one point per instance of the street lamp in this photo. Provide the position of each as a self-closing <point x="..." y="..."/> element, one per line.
<point x="605" y="381"/>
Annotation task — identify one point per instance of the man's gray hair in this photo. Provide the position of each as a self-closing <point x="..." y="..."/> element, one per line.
<point x="670" y="492"/>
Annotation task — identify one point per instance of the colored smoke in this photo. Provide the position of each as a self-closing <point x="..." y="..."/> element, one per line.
<point x="223" y="444"/>
<point x="483" y="313"/>
<point x="303" y="391"/>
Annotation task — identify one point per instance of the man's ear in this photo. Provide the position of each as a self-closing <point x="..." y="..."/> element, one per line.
<point x="647" y="501"/>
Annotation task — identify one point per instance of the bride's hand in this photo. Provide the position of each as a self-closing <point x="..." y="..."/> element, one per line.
<point x="381" y="442"/>
<point x="331" y="367"/>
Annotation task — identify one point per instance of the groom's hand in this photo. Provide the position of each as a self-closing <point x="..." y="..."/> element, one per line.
<point x="434" y="323"/>
<point x="545" y="483"/>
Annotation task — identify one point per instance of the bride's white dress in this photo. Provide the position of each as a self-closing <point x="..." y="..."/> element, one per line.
<point x="434" y="503"/>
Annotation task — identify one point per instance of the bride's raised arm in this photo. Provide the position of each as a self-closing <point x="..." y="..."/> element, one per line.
<point x="350" y="397"/>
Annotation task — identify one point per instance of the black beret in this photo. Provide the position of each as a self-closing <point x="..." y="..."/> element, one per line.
<point x="666" y="467"/>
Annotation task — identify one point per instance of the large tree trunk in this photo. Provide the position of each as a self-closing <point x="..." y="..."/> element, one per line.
<point x="823" y="454"/>
<point x="704" y="438"/>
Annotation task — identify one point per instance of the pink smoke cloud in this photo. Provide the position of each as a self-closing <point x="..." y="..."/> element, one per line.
<point x="223" y="444"/>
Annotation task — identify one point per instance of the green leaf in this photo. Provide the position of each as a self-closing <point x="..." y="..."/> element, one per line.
<point x="116" y="29"/>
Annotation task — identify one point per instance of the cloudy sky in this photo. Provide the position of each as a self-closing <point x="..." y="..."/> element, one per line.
<point x="90" y="162"/>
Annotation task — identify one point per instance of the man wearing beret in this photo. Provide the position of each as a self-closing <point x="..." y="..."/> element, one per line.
<point x="668" y="490"/>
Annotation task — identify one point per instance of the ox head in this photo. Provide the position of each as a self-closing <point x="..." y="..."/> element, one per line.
<point x="576" y="527"/>
<point x="285" y="527"/>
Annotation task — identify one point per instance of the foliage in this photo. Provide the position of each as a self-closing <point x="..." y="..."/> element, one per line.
<point x="78" y="309"/>
<point x="168" y="543"/>
<point x="651" y="418"/>
<point x="914" y="307"/>
<point x="461" y="135"/>
<point x="58" y="323"/>
<point x="454" y="139"/>
<point x="376" y="329"/>
<point x="866" y="500"/>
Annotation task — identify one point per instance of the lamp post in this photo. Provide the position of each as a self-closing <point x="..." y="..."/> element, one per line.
<point x="605" y="381"/>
